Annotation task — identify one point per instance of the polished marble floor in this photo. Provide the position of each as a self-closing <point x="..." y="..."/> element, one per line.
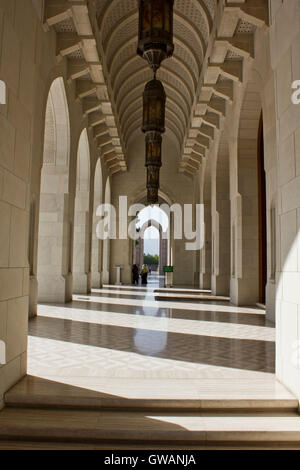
<point x="124" y="333"/>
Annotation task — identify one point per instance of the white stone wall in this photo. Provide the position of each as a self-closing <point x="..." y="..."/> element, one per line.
<point x="17" y="70"/>
<point x="285" y="46"/>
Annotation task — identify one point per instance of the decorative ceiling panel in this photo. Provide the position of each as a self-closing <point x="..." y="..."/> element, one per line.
<point x="132" y="108"/>
<point x="211" y="5"/>
<point x="131" y="96"/>
<point x="244" y="27"/>
<point x="176" y="83"/>
<point x="130" y="68"/>
<point x="187" y="59"/>
<point x="143" y="76"/>
<point x="65" y="26"/>
<point x="125" y="54"/>
<point x="176" y="66"/>
<point x="194" y="13"/>
<point x="191" y="39"/>
<point x="115" y="13"/>
<point x="119" y="37"/>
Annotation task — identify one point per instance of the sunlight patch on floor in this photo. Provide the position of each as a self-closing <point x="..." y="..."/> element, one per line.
<point x="49" y="358"/>
<point x="161" y="323"/>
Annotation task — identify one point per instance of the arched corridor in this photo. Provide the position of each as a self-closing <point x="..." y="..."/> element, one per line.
<point x="95" y="153"/>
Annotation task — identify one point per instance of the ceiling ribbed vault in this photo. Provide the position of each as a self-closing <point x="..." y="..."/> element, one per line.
<point x="213" y="47"/>
<point x="128" y="73"/>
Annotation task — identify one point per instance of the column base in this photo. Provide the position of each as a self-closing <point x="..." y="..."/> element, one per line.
<point x="105" y="277"/>
<point x="244" y="292"/>
<point x="271" y="301"/>
<point x="197" y="280"/>
<point x="96" y="280"/>
<point x="33" y="296"/>
<point x="220" y="285"/>
<point x="55" y="289"/>
<point x="205" y="281"/>
<point x="81" y="283"/>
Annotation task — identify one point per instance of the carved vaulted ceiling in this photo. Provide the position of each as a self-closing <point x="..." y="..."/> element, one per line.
<point x="128" y="73"/>
<point x="214" y="41"/>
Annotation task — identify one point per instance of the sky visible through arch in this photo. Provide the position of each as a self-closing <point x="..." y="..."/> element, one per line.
<point x="151" y="238"/>
<point x="151" y="241"/>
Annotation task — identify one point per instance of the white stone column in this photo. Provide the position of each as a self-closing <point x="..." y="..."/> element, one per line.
<point x="96" y="275"/>
<point x="53" y="273"/>
<point x="206" y="252"/>
<point x="81" y="244"/>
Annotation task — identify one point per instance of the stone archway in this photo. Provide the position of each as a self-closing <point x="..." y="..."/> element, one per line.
<point x="165" y="203"/>
<point x="54" y="267"/>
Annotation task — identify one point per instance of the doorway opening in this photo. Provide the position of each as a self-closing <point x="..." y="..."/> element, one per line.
<point x="152" y="248"/>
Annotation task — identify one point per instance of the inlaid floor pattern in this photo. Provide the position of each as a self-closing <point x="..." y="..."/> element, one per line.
<point x="120" y="369"/>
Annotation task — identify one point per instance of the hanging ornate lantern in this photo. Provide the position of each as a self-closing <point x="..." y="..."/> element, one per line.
<point x="153" y="164"/>
<point x="155" y="45"/>
<point x="152" y="184"/>
<point x="153" y="126"/>
<point x="153" y="149"/>
<point x="155" y="31"/>
<point x="152" y="177"/>
<point x="152" y="196"/>
<point x="154" y="103"/>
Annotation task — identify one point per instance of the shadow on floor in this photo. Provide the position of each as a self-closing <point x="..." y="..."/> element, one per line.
<point x="222" y="352"/>
<point x="207" y="315"/>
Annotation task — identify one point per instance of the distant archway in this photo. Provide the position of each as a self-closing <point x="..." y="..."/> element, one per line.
<point x="152" y="253"/>
<point x="154" y="217"/>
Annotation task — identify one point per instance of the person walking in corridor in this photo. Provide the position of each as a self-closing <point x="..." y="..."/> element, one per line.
<point x="135" y="275"/>
<point x="144" y="275"/>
